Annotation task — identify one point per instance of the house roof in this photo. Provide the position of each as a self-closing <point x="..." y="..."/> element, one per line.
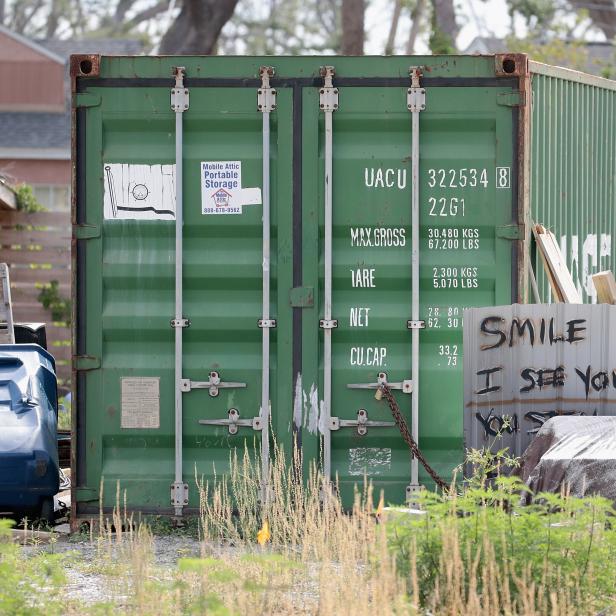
<point x="36" y="135"/>
<point x="43" y="50"/>
<point x="46" y="136"/>
<point x="103" y="46"/>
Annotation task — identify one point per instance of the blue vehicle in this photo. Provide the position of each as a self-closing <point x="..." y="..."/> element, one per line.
<point x="29" y="474"/>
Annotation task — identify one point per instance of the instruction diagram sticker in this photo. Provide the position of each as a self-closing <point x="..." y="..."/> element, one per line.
<point x="138" y="192"/>
<point x="140" y="402"/>
<point x="221" y="188"/>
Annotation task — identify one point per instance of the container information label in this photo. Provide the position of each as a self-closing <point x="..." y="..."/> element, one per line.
<point x="140" y="402"/>
<point x="138" y="192"/>
<point x="221" y="188"/>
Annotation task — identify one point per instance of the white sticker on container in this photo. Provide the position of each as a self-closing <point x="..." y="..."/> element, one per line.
<point x="138" y="192"/>
<point x="140" y="402"/>
<point x="221" y="188"/>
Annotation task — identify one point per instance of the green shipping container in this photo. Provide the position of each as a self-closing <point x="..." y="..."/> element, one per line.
<point x="332" y="217"/>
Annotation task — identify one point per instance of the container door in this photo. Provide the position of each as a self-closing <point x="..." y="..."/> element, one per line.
<point x="466" y="156"/>
<point x="223" y="273"/>
<point x="128" y="292"/>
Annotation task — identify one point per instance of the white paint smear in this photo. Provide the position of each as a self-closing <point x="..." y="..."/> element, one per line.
<point x="369" y="461"/>
<point x="138" y="192"/>
<point x="298" y="405"/>
<point x="313" y="416"/>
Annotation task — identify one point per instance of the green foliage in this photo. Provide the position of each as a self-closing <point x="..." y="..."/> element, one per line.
<point x="553" y="51"/>
<point x="440" y="43"/>
<point x="51" y="300"/>
<point x="26" y="201"/>
<point x="64" y="417"/>
<point x="557" y="541"/>
<point x="29" y="586"/>
<point x="538" y="12"/>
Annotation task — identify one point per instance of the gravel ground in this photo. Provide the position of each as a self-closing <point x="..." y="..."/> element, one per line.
<point x="91" y="579"/>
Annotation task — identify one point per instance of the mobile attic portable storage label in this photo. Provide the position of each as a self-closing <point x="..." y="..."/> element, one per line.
<point x="367" y="201"/>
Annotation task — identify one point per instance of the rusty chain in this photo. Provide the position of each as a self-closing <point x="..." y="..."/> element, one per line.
<point x="408" y="439"/>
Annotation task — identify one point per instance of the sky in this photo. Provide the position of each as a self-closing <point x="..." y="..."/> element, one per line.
<point x="476" y="17"/>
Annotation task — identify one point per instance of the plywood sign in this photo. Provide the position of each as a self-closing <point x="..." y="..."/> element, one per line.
<point x="526" y="363"/>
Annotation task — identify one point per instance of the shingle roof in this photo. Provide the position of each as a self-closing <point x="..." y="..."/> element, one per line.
<point x="104" y="46"/>
<point x="35" y="130"/>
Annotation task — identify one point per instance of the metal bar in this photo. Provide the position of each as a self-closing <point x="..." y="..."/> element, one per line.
<point x="266" y="102"/>
<point x="179" y="106"/>
<point x="327" y="311"/>
<point x="415" y="101"/>
<point x="328" y="103"/>
<point x="265" y="313"/>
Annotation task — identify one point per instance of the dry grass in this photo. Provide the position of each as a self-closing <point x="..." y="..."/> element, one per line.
<point x="323" y="560"/>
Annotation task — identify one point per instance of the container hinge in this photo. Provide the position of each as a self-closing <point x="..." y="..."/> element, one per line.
<point x="406" y="386"/>
<point x="510" y="232"/>
<point x="213" y="385"/>
<point x="179" y="323"/>
<point x="266" y="96"/>
<point x="362" y="423"/>
<point x="86" y="99"/>
<point x="86" y="232"/>
<point x="510" y="99"/>
<point x="415" y="95"/>
<point x="328" y="323"/>
<point x="410" y="324"/>
<point x="328" y="95"/>
<point x="234" y="422"/>
<point x="86" y="362"/>
<point x="180" y="100"/>
<point x="179" y="494"/>
<point x="266" y="323"/>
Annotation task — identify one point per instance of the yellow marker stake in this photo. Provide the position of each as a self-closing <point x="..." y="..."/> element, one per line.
<point x="263" y="536"/>
<point x="380" y="507"/>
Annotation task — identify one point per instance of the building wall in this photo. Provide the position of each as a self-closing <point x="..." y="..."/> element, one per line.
<point x="50" y="179"/>
<point x="31" y="81"/>
<point x="57" y="172"/>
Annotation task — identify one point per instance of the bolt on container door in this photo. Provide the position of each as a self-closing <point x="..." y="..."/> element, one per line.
<point x="468" y="162"/>
<point x="128" y="281"/>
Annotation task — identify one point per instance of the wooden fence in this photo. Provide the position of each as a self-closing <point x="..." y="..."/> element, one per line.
<point x="38" y="249"/>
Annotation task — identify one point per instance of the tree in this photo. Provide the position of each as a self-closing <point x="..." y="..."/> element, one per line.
<point x="288" y="27"/>
<point x="417" y="11"/>
<point x="445" y="28"/>
<point x="353" y="27"/>
<point x="416" y="23"/>
<point x="546" y="19"/>
<point x="393" y="28"/>
<point x="197" y="27"/>
<point x="602" y="14"/>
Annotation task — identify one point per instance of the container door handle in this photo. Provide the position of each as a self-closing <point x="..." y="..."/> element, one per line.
<point x="405" y="386"/>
